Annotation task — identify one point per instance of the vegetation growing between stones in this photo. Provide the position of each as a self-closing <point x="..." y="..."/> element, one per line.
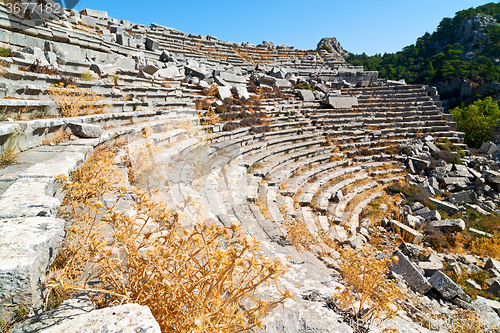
<point x="38" y="68"/>
<point x="74" y="101"/>
<point x="203" y="278"/>
<point x="10" y="149"/>
<point x="368" y="297"/>
<point x="4" y="52"/>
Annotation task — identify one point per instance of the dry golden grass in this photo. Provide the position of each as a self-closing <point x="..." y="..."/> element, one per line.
<point x="358" y="183"/>
<point x="197" y="279"/>
<point x="56" y="137"/>
<point x="298" y="234"/>
<point x="358" y="199"/>
<point x="143" y="170"/>
<point x="368" y="295"/>
<point x="373" y="211"/>
<point x="212" y="91"/>
<point x="264" y="210"/>
<point x="74" y="101"/>
<point x="486" y="247"/>
<point x="10" y="149"/>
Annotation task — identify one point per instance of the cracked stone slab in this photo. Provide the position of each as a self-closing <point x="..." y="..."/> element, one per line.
<point x="28" y="247"/>
<point x="29" y="197"/>
<point x="63" y="163"/>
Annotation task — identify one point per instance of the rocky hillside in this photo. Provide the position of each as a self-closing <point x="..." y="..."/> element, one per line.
<point x="460" y="58"/>
<point x="331" y="45"/>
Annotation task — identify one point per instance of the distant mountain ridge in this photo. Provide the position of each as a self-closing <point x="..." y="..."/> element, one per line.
<point x="461" y="58"/>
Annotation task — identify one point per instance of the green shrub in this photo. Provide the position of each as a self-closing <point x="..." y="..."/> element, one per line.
<point x="4" y="52"/>
<point x="477" y="120"/>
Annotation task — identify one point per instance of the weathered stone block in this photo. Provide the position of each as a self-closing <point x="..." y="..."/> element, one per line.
<point x="494" y="289"/>
<point x="410" y="250"/>
<point x="410" y="234"/>
<point x="341" y="102"/>
<point x="447" y="288"/>
<point x="412" y="276"/>
<point x="168" y="73"/>
<point x="85" y="130"/>
<point x="492" y="263"/>
<point x="438" y="173"/>
<point x="489" y="148"/>
<point x="446" y="206"/>
<point x="28" y="247"/>
<point x="432" y="215"/>
<point x="450" y="225"/>
<point x="29" y="197"/>
<point x="492" y="176"/>
<point x="306" y="95"/>
<point x="464" y="196"/>
<point x="241" y="93"/>
<point x="150" y="69"/>
<point x="224" y="92"/>
<point x="430" y="267"/>
<point x="94" y="13"/>
<point x="152" y="45"/>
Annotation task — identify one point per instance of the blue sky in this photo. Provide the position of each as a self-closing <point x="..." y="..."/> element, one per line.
<point x="359" y="25"/>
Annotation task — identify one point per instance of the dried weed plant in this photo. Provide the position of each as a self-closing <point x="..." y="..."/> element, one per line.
<point x="485" y="246"/>
<point x="74" y="101"/>
<point x="10" y="149"/>
<point x="298" y="234"/>
<point x="368" y="296"/>
<point x="144" y="171"/>
<point x="55" y="137"/>
<point x="197" y="279"/>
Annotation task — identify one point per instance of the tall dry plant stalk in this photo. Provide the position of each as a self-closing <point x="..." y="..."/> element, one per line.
<point x="197" y="279"/>
<point x="144" y="171"/>
<point x="74" y="101"/>
<point x="367" y="296"/>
